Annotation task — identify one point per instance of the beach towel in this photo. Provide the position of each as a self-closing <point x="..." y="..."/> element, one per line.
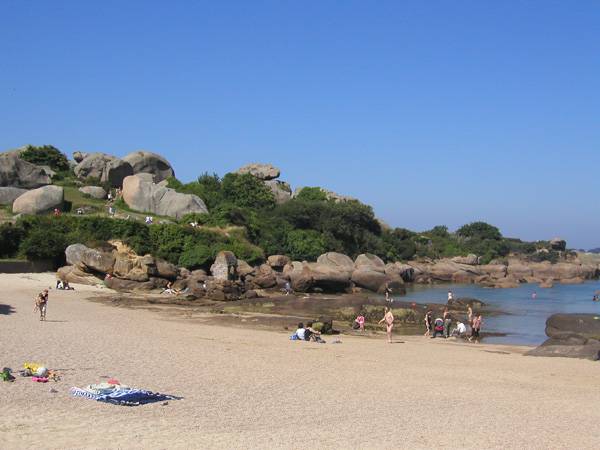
<point x="120" y="395"/>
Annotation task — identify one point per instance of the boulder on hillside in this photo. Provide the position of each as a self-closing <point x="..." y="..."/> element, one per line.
<point x="262" y="171"/>
<point x="94" y="192"/>
<point x="9" y="194"/>
<point x="281" y="191"/>
<point x="106" y="168"/>
<point x="119" y="284"/>
<point x="165" y="269"/>
<point x="16" y="172"/>
<point x="147" y="197"/>
<point x="336" y="260"/>
<point x="39" y="201"/>
<point x="79" y="156"/>
<point x="244" y="269"/>
<point x="152" y="163"/>
<point x="471" y="259"/>
<point x="278" y="262"/>
<point x="225" y="266"/>
<point x="264" y="277"/>
<point x="558" y="244"/>
<point x="329" y="195"/>
<point x="370" y="262"/>
<point x="129" y="266"/>
<point x="90" y="259"/>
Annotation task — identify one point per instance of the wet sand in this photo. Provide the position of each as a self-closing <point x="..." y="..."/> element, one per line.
<point x="249" y="388"/>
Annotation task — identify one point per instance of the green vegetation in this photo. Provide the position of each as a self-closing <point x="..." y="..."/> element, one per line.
<point x="45" y="155"/>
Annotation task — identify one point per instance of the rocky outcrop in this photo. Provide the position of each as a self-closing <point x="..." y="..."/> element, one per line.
<point x="39" y="201"/>
<point x="151" y="163"/>
<point x="261" y="171"/>
<point x="470" y="260"/>
<point x="397" y="269"/>
<point x="106" y="168"/>
<point x="79" y="156"/>
<point x="571" y="336"/>
<point x="558" y="244"/>
<point x="306" y="277"/>
<point x="329" y="195"/>
<point x="18" y="173"/>
<point x="225" y="266"/>
<point x="9" y="194"/>
<point x="278" y="262"/>
<point x="94" y="192"/>
<point x="282" y="192"/>
<point x="74" y="274"/>
<point x="89" y="259"/>
<point x="368" y="261"/>
<point x="148" y="197"/>
<point x="336" y="261"/>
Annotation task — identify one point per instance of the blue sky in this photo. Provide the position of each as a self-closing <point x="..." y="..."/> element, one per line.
<point x="434" y="112"/>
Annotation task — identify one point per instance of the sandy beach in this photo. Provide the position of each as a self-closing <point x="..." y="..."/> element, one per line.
<point x="245" y="388"/>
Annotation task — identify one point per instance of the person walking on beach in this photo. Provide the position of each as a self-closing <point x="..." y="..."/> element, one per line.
<point x="41" y="304"/>
<point x="360" y="322"/>
<point x="476" y="328"/>
<point x="388" y="318"/>
<point x="428" y="323"/>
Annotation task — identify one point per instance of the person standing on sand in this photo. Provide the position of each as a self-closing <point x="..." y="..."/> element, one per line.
<point x="476" y="328"/>
<point x="360" y="321"/>
<point x="41" y="304"/>
<point x="428" y="323"/>
<point x="388" y="318"/>
<point x="470" y="315"/>
<point x="447" y="323"/>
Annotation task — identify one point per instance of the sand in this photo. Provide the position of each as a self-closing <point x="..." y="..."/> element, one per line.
<point x="244" y="388"/>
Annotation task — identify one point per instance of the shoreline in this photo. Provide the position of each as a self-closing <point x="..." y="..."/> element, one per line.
<point x="244" y="387"/>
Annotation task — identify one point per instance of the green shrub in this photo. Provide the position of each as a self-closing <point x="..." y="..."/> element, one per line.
<point x="10" y="238"/>
<point x="42" y="245"/>
<point x="312" y="194"/>
<point x="45" y="155"/>
<point x="247" y="191"/>
<point x="305" y="245"/>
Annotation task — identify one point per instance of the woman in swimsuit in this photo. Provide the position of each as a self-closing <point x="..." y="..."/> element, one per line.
<point x="388" y="318"/>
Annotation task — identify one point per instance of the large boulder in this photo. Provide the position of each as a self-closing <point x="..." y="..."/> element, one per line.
<point x="19" y="173"/>
<point x="79" y="156"/>
<point x="90" y="259"/>
<point x="94" y="192"/>
<point x="129" y="266"/>
<point x="471" y="259"/>
<point x="282" y="192"/>
<point x="398" y="269"/>
<point x="148" y="162"/>
<point x="278" y="262"/>
<point x="305" y="277"/>
<point x="571" y="335"/>
<point x="119" y="284"/>
<point x="369" y="279"/>
<point x="143" y="196"/>
<point x="264" y="277"/>
<point x="76" y="275"/>
<point x="336" y="260"/>
<point x="262" y="171"/>
<point x="225" y="266"/>
<point x="9" y="194"/>
<point x="39" y="201"/>
<point x="106" y="168"/>
<point x="369" y="261"/>
<point x="558" y="244"/>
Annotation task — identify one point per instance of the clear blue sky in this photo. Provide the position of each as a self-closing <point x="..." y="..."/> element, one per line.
<point x="434" y="112"/>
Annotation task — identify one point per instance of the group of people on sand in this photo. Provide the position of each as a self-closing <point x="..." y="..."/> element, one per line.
<point x="441" y="325"/>
<point x="308" y="333"/>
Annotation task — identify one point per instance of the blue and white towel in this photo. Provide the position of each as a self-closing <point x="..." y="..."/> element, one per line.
<point x="125" y="396"/>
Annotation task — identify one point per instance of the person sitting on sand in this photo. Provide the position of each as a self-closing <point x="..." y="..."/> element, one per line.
<point x="300" y="331"/>
<point x="287" y="288"/>
<point x="310" y="334"/>
<point x="388" y="318"/>
<point x="360" y="321"/>
<point x="170" y="290"/>
<point x="41" y="304"/>
<point x="67" y="286"/>
<point x="460" y="330"/>
<point x="428" y="323"/>
<point x="476" y="328"/>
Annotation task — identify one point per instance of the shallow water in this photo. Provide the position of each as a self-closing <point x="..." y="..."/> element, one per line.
<point x="524" y="320"/>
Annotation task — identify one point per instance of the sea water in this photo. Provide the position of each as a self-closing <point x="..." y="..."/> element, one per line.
<point x="522" y="318"/>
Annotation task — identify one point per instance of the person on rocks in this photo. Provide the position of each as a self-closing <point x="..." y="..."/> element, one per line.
<point x="428" y="323"/>
<point x="476" y="328"/>
<point x="41" y="304"/>
<point x="388" y="292"/>
<point x="450" y="296"/>
<point x="287" y="288"/>
<point x="388" y="319"/>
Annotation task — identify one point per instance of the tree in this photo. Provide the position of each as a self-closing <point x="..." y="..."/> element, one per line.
<point x="247" y="191"/>
<point x="46" y="155"/>
<point x="480" y="230"/>
<point x="314" y="194"/>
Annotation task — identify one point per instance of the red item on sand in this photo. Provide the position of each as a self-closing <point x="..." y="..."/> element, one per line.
<point x="114" y="381"/>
